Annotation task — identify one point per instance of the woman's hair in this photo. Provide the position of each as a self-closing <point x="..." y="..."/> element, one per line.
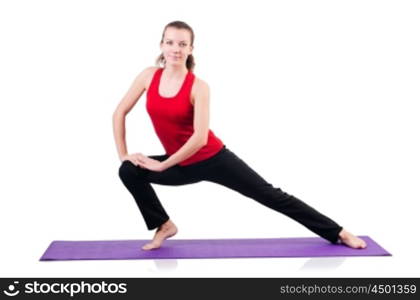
<point x="179" y="25"/>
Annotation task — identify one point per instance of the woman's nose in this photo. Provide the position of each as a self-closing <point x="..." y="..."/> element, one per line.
<point x="176" y="47"/>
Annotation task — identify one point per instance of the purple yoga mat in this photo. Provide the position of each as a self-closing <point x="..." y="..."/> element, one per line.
<point x="210" y="248"/>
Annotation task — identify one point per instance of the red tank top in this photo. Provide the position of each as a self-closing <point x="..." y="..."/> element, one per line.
<point x="173" y="119"/>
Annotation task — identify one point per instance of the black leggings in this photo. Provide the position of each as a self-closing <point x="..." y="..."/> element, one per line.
<point x="229" y="170"/>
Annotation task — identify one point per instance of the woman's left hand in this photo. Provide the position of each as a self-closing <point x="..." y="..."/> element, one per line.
<point x="152" y="164"/>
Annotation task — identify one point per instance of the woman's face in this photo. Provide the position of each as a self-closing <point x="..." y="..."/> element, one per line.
<point x="176" y="46"/>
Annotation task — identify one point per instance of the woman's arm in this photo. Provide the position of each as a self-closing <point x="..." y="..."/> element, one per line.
<point x="201" y="126"/>
<point x="134" y="93"/>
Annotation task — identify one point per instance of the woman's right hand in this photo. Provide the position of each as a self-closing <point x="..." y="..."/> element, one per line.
<point x="135" y="158"/>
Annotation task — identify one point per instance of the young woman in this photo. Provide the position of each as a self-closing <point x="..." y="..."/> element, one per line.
<point x="178" y="105"/>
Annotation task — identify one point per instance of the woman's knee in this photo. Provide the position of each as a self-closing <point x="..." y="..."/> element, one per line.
<point x="269" y="193"/>
<point x="128" y="170"/>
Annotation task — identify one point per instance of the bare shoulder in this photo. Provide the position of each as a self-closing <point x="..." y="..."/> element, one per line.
<point x="147" y="75"/>
<point x="200" y="87"/>
<point x="200" y="84"/>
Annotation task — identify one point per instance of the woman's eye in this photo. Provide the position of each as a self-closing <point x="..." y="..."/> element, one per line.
<point x="182" y="44"/>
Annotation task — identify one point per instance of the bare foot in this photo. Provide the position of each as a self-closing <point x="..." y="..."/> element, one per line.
<point x="351" y="240"/>
<point x="164" y="232"/>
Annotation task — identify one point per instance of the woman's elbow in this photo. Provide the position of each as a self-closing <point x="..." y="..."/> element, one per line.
<point x="118" y="114"/>
<point x="203" y="140"/>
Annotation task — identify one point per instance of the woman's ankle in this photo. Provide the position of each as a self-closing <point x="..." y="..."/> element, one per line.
<point x="167" y="224"/>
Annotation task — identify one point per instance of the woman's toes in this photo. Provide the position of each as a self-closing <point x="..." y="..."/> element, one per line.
<point x="160" y="236"/>
<point x="362" y="244"/>
<point x="150" y="246"/>
<point x="354" y="242"/>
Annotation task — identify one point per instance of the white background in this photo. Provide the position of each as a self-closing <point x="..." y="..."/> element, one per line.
<point x="319" y="97"/>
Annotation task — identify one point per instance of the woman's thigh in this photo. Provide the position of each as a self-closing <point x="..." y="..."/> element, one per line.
<point x="231" y="171"/>
<point x="174" y="175"/>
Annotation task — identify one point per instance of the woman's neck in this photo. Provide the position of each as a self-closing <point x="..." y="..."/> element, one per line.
<point x="175" y="71"/>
